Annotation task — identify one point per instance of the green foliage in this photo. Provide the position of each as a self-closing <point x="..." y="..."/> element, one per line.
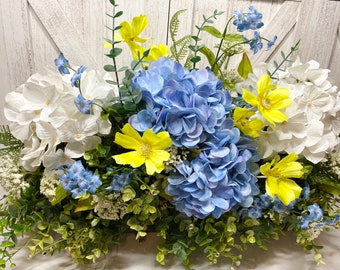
<point x="245" y="67"/>
<point x="9" y="144"/>
<point x="285" y="58"/>
<point x="179" y="48"/>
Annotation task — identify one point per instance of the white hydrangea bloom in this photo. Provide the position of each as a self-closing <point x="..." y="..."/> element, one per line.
<point x="313" y="125"/>
<point x="43" y="115"/>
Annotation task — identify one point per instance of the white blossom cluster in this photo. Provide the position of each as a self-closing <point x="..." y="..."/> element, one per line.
<point x="313" y="125"/>
<point x="334" y="163"/>
<point x="11" y="179"/>
<point x="43" y="115"/>
<point x="49" y="183"/>
<point x="111" y="207"/>
<point x="175" y="159"/>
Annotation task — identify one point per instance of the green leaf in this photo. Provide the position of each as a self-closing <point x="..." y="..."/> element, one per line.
<point x="84" y="205"/>
<point x="210" y="57"/>
<point x="109" y="68"/>
<point x="195" y="59"/>
<point x="233" y="38"/>
<point x="60" y="194"/>
<point x="212" y="31"/>
<point x="245" y="67"/>
<point x="114" y="52"/>
<point x="6" y="244"/>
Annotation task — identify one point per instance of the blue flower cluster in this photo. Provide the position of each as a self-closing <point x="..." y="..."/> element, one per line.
<point x="189" y="105"/>
<point x="265" y="202"/>
<point x="252" y="21"/>
<point x="78" y="180"/>
<point x="245" y="21"/>
<point x="315" y="214"/>
<point x="120" y="181"/>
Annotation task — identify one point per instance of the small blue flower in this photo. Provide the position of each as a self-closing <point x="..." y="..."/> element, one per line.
<point x="245" y="21"/>
<point x="254" y="212"/>
<point x="271" y="43"/>
<point x="78" y="180"/>
<point x="255" y="43"/>
<point x="278" y="206"/>
<point x="120" y="181"/>
<point x="254" y="19"/>
<point x="83" y="105"/>
<point x="315" y="214"/>
<point x="75" y="80"/>
<point x="62" y="63"/>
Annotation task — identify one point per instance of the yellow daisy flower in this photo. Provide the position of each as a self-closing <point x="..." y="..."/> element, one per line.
<point x="278" y="173"/>
<point x="149" y="149"/>
<point x="270" y="100"/>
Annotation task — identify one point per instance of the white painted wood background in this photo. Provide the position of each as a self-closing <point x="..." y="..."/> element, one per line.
<point x="33" y="32"/>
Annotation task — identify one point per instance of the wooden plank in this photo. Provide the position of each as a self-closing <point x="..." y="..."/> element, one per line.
<point x="44" y="50"/>
<point x="280" y="25"/>
<point x="61" y="30"/>
<point x="317" y="27"/>
<point x="15" y="48"/>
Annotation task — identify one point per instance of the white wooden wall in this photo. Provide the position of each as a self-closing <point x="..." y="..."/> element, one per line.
<point x="33" y="32"/>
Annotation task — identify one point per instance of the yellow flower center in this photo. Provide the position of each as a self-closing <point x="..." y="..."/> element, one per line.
<point x="145" y="150"/>
<point x="47" y="102"/>
<point x="309" y="103"/>
<point x="265" y="103"/>
<point x="79" y="135"/>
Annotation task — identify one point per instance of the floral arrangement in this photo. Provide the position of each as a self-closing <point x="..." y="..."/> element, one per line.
<point x="212" y="158"/>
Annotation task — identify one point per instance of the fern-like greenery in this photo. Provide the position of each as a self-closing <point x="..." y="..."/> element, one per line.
<point x="179" y="48"/>
<point x="9" y="145"/>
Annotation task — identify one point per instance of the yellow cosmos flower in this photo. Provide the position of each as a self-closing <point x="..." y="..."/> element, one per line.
<point x="278" y="173"/>
<point x="157" y="52"/>
<point x="129" y="33"/>
<point x="270" y="100"/>
<point x="149" y="149"/>
<point x="249" y="127"/>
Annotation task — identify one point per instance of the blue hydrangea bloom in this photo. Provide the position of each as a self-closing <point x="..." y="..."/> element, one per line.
<point x="190" y="105"/>
<point x="62" y="63"/>
<point x="83" y="105"/>
<point x="214" y="182"/>
<point x="75" y="80"/>
<point x="79" y="180"/>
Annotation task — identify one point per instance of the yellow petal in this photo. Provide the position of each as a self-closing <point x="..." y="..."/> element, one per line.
<point x="130" y="158"/>
<point x="155" y="161"/>
<point x="271" y="186"/>
<point x="288" y="191"/>
<point x="130" y="131"/>
<point x="126" y="141"/>
<point x="139" y="24"/>
<point x="250" y="98"/>
<point x="160" y="140"/>
<point x="264" y="85"/>
<point x="273" y="116"/>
